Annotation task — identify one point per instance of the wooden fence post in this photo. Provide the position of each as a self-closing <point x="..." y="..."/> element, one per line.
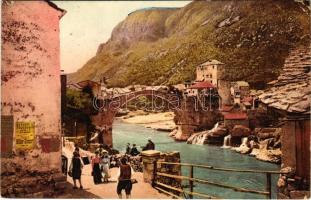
<point x="268" y="184"/>
<point x="191" y="181"/>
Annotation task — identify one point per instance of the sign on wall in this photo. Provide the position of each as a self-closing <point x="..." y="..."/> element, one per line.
<point x="24" y="135"/>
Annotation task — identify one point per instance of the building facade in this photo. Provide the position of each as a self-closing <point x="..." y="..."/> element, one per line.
<point x="213" y="72"/>
<point x="210" y="71"/>
<point x="30" y="99"/>
<point x="289" y="98"/>
<point x="239" y="90"/>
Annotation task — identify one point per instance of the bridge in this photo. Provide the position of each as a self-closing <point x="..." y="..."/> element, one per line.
<point x="189" y="111"/>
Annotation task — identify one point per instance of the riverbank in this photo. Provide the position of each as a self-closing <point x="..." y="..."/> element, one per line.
<point x="212" y="155"/>
<point x="159" y="121"/>
<point x="165" y="122"/>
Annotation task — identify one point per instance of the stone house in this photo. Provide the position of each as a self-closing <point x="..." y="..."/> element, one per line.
<point x="288" y="98"/>
<point x="213" y="72"/>
<point x="235" y="118"/>
<point x="30" y="100"/>
<point x="200" y="88"/>
<point x="239" y="90"/>
<point x="209" y="71"/>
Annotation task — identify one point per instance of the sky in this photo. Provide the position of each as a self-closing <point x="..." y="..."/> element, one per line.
<point x="87" y="24"/>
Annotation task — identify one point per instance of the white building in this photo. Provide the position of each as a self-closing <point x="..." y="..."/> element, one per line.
<point x="210" y="71"/>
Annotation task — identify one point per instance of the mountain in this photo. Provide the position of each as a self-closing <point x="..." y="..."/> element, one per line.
<point x="156" y="46"/>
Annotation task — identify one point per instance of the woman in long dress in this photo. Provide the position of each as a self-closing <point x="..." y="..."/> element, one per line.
<point x="105" y="162"/>
<point x="96" y="168"/>
<point x="76" y="169"/>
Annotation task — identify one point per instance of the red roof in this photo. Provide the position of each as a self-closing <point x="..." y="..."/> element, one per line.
<point x="226" y="108"/>
<point x="247" y="99"/>
<point x="202" y="85"/>
<point x="235" y="116"/>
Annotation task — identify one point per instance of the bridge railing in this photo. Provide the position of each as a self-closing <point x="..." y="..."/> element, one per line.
<point x="165" y="188"/>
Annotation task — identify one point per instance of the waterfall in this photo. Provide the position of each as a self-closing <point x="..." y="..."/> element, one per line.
<point x="202" y="139"/>
<point x="244" y="141"/>
<point x="215" y="127"/>
<point x="243" y="148"/>
<point x="227" y="142"/>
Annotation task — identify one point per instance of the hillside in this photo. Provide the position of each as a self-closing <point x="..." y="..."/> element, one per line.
<point x="163" y="46"/>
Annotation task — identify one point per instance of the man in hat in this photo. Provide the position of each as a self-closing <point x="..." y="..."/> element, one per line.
<point x="149" y="146"/>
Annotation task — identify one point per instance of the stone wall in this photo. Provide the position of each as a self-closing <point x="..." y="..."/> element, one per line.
<point x="191" y="118"/>
<point x="169" y="169"/>
<point x="150" y="157"/>
<point x="230" y="123"/>
<point x="224" y="91"/>
<point x="17" y="182"/>
<point x="30" y="84"/>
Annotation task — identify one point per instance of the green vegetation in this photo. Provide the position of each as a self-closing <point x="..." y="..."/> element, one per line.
<point x="77" y="99"/>
<point x="79" y="110"/>
<point x="154" y="47"/>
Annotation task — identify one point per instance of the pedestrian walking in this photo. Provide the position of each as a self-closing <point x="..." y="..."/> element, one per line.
<point x="124" y="180"/>
<point x="76" y="169"/>
<point x="105" y="163"/>
<point x="96" y="173"/>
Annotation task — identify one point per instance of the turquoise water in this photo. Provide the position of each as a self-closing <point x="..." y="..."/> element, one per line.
<point x="202" y="154"/>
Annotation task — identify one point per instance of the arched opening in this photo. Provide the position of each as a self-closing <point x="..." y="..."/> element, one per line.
<point x="110" y="107"/>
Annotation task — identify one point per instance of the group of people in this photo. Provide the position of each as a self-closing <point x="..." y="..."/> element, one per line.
<point x="134" y="152"/>
<point x="100" y="170"/>
<point x="100" y="166"/>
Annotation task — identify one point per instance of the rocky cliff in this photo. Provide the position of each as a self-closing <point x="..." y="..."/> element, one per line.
<point x="163" y="46"/>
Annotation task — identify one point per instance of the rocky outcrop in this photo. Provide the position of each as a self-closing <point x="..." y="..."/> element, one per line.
<point x="244" y="147"/>
<point x="273" y="155"/>
<point x="266" y="144"/>
<point x="213" y="136"/>
<point x="240" y="131"/>
<point x="146" y="25"/>
<point x="265" y="133"/>
<point x="291" y="187"/>
<point x="229" y="21"/>
<point x="192" y="118"/>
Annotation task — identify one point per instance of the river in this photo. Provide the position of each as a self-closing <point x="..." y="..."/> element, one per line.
<point x="202" y="154"/>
